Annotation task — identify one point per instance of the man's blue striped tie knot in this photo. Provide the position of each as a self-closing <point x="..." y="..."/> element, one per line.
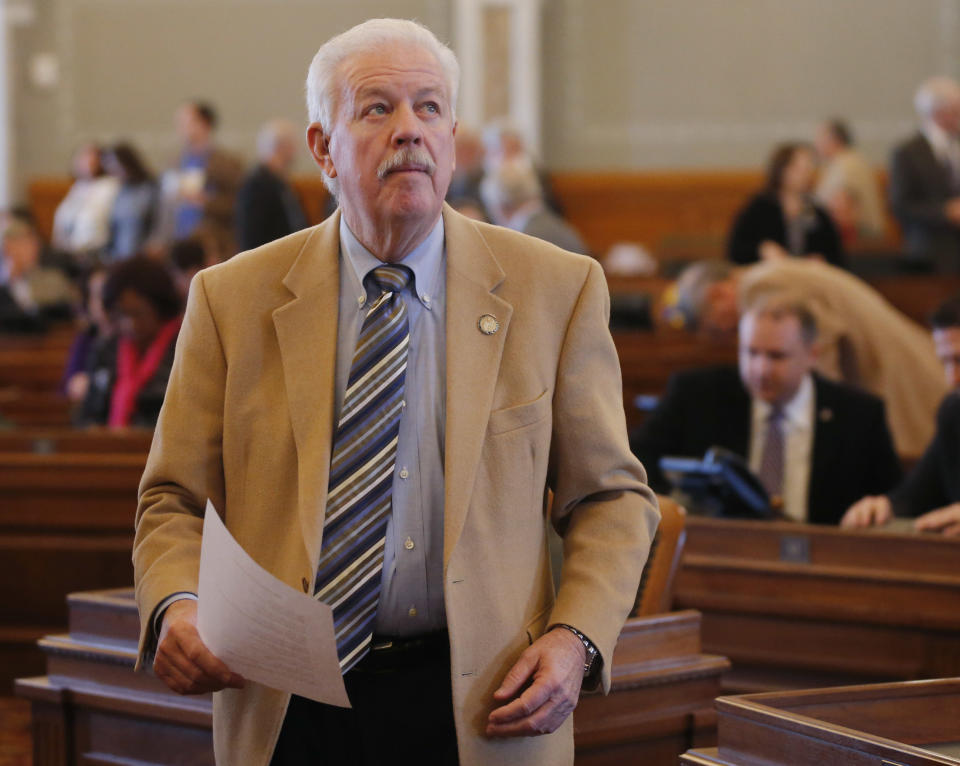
<point x="361" y="469"/>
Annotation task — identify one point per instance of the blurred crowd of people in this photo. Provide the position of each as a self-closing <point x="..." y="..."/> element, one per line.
<point x="803" y="213"/>
<point x="124" y="246"/>
<point x="819" y="347"/>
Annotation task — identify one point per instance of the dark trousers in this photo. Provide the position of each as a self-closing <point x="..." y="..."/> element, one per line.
<point x="402" y="713"/>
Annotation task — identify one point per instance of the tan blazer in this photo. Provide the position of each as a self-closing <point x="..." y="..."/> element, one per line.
<point x="248" y="421"/>
<point x="864" y="341"/>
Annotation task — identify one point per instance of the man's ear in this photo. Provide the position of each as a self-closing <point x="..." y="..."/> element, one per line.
<point x="455" y="124"/>
<point x="319" y="144"/>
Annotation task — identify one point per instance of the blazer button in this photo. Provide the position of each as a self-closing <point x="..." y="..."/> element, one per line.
<point x="305" y="584"/>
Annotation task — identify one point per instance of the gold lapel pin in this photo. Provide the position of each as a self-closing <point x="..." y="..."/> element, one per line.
<point x="488" y="324"/>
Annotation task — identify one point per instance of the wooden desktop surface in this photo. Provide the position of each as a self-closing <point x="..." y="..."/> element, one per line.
<point x="897" y="724"/>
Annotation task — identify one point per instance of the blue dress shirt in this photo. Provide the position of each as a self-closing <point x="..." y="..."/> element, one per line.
<point x="411" y="597"/>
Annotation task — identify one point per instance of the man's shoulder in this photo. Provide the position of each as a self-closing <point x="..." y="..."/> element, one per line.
<point x="846" y="399"/>
<point x="948" y="414"/>
<point x="694" y="384"/>
<point x="910" y="147"/>
<point x="522" y="254"/>
<point x="259" y="267"/>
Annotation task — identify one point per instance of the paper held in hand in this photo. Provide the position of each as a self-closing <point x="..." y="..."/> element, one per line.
<point x="262" y="628"/>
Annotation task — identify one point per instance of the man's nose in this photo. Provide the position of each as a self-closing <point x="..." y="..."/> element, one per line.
<point x="406" y="128"/>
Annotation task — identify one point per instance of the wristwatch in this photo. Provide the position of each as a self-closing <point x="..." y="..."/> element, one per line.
<point x="592" y="653"/>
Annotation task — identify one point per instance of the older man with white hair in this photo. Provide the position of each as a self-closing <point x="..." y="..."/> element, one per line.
<point x="925" y="179"/>
<point x="512" y="194"/>
<point x="267" y="205"/>
<point x="379" y="407"/>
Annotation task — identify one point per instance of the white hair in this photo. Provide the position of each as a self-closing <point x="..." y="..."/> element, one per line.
<point x="322" y="77"/>
<point x="271" y="135"/>
<point x="509" y="185"/>
<point x="934" y="94"/>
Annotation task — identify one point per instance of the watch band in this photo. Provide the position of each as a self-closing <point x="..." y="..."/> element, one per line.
<point x="592" y="652"/>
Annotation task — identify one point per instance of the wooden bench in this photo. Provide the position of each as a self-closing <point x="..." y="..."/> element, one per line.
<point x="676" y="214"/>
<point x="87" y="441"/>
<point x="66" y="522"/>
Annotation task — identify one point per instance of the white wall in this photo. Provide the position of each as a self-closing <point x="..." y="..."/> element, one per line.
<point x="626" y="83"/>
<point x="661" y="83"/>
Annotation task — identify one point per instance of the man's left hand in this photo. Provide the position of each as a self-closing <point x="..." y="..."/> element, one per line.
<point x="554" y="662"/>
<point x="945" y="520"/>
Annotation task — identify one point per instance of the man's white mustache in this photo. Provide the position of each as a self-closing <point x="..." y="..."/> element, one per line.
<point x="407" y="158"/>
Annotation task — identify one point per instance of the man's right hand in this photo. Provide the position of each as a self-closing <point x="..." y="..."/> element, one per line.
<point x="182" y="661"/>
<point x="873" y="510"/>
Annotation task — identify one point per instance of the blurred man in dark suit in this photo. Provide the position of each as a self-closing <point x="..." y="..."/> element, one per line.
<point x="267" y="206"/>
<point x="814" y="444"/>
<point x="925" y="179"/>
<point x="931" y="492"/>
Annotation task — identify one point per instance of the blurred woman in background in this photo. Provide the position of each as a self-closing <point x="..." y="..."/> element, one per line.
<point x="128" y="372"/>
<point x="81" y="224"/>
<point x="783" y="221"/>
<point x="134" y="209"/>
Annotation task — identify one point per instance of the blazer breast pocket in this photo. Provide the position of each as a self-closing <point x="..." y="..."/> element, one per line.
<point x="520" y="415"/>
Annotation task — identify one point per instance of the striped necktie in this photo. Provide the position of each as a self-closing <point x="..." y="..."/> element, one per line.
<point x="771" y="463"/>
<point x="361" y="469"/>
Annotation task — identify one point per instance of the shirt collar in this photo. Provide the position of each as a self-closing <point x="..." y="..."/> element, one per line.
<point x="519" y="220"/>
<point x="424" y="261"/>
<point x="939" y="139"/>
<point x="797" y="411"/>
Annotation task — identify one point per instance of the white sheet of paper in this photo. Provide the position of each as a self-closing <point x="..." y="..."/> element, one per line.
<point x="262" y="628"/>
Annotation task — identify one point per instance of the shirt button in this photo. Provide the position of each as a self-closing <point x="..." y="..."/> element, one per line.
<point x="361" y="299"/>
<point x="403" y="404"/>
<point x="404" y="473"/>
<point x="408" y="544"/>
<point x="412" y="611"/>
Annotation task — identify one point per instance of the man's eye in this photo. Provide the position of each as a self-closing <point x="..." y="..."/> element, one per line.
<point x="432" y="106"/>
<point x="377" y="109"/>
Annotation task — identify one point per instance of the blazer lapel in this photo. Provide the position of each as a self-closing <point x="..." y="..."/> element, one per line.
<point x="306" y="328"/>
<point x="473" y="363"/>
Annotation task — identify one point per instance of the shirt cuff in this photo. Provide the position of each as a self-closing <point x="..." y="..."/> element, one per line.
<point x="161" y="609"/>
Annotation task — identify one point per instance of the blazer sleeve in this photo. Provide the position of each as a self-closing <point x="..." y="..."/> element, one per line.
<point x="602" y="506"/>
<point x="184" y="468"/>
<point x="746" y="235"/>
<point x="885" y="463"/>
<point x="909" y="198"/>
<point x="827" y="240"/>
<point x="924" y="488"/>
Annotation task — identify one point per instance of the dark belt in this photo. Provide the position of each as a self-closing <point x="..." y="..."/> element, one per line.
<point x="395" y="653"/>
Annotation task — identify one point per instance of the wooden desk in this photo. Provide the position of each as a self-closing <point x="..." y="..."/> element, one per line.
<point x="915" y="724"/>
<point x="796" y="606"/>
<point x="66" y="522"/>
<point x="92" y="708"/>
